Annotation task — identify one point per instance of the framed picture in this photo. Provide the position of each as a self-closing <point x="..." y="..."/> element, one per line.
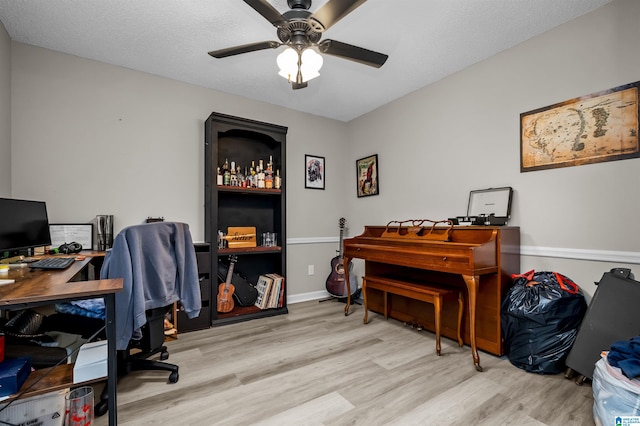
<point x="599" y="127"/>
<point x="367" y="176"/>
<point x="313" y="172"/>
<point x="81" y="233"/>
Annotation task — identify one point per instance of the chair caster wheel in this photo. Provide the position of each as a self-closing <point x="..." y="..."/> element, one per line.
<point x="164" y="355"/>
<point x="101" y="408"/>
<point x="173" y="377"/>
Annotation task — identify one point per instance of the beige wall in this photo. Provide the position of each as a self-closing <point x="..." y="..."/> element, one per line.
<point x="131" y="144"/>
<point x="5" y="113"/>
<point x="462" y="133"/>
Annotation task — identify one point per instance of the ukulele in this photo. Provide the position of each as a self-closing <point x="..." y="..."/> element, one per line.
<point x="226" y="289"/>
<point x="336" y="283"/>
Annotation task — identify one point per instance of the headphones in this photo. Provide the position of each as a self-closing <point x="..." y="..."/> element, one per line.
<point x="70" y="248"/>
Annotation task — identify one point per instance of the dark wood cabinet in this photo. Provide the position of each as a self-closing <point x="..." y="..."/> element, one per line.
<point x="242" y="141"/>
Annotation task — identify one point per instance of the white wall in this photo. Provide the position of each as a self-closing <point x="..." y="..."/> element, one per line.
<point x="5" y="113"/>
<point x="462" y="133"/>
<point x="132" y="144"/>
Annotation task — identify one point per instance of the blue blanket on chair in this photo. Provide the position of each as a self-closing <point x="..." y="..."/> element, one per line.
<point x="157" y="262"/>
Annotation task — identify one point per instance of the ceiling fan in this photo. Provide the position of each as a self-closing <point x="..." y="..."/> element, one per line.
<point x="301" y="30"/>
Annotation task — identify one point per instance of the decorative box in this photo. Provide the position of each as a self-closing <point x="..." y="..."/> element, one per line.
<point x="241" y="236"/>
<point x="13" y="374"/>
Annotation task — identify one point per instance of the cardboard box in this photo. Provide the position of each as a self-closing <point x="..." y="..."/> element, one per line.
<point x="13" y="374"/>
<point x="91" y="362"/>
<point x="41" y="410"/>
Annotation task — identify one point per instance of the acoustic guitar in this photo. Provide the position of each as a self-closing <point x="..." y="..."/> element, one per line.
<point x="226" y="289"/>
<point x="336" y="283"/>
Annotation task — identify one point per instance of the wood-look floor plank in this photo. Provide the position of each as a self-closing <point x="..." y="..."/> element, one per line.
<point x="317" y="367"/>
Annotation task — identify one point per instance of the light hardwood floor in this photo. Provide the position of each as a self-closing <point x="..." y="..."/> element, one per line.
<point x="314" y="366"/>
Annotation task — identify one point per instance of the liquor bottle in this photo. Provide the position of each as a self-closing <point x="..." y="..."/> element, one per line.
<point x="260" y="174"/>
<point x="247" y="178"/>
<point x="226" y="174"/>
<point x="240" y="176"/>
<point x="233" y="179"/>
<point x="277" y="182"/>
<point x="254" y="179"/>
<point x="219" y="180"/>
<point x="268" y="175"/>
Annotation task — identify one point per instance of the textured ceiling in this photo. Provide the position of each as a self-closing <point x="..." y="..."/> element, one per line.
<point x="426" y="40"/>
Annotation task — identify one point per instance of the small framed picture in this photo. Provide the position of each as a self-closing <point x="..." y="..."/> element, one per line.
<point x="367" y="176"/>
<point x="314" y="172"/>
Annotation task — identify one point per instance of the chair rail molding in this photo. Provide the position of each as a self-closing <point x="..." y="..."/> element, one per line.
<point x="582" y="254"/>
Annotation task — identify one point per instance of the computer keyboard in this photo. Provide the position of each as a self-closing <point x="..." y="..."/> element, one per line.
<point x="53" y="263"/>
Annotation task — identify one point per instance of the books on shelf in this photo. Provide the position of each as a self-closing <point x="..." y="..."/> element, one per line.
<point x="270" y="291"/>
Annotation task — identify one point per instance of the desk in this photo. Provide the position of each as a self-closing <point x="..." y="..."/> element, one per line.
<point x="44" y="287"/>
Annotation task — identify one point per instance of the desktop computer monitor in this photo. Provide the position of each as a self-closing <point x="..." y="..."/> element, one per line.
<point x="23" y="225"/>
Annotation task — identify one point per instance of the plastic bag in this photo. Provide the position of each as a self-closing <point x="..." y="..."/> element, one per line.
<point x="540" y="317"/>
<point x="614" y="395"/>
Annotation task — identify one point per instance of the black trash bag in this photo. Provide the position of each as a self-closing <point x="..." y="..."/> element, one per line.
<point x="540" y="318"/>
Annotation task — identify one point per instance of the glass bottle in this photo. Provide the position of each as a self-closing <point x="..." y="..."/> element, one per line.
<point x="226" y="177"/>
<point x="268" y="174"/>
<point x="240" y="176"/>
<point x="277" y="182"/>
<point x="247" y="178"/>
<point x="254" y="179"/>
<point x="260" y="174"/>
<point x="233" y="179"/>
<point x="219" y="179"/>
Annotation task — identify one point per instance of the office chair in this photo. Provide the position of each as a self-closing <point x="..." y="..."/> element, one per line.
<point x="157" y="262"/>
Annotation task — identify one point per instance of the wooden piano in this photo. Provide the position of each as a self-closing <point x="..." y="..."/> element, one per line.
<point x="479" y="259"/>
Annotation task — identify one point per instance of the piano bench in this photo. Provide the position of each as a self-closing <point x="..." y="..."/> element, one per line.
<point x="413" y="290"/>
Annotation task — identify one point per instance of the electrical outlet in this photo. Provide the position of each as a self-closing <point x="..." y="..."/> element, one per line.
<point x="311" y="269"/>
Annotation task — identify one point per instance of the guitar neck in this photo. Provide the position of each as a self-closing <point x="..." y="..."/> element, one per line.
<point x="230" y="273"/>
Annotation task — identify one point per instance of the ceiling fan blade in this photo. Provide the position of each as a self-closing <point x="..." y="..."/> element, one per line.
<point x="265" y="9"/>
<point x="332" y="12"/>
<point x="245" y="48"/>
<point x="353" y="53"/>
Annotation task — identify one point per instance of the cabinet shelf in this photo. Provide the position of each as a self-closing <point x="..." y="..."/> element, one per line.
<point x="245" y="190"/>
<point x="49" y="379"/>
<point x="248" y="250"/>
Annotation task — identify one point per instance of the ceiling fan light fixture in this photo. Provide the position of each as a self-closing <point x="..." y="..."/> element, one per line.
<point x="288" y="63"/>
<point x="300" y="68"/>
<point x="311" y="62"/>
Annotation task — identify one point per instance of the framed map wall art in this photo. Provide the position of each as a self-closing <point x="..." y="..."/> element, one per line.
<point x="594" y="128"/>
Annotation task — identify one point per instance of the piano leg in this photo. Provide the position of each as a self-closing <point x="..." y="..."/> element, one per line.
<point x="472" y="289"/>
<point x="437" y="308"/>
<point x="364" y="296"/>
<point x="346" y="262"/>
<point x="460" y="314"/>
